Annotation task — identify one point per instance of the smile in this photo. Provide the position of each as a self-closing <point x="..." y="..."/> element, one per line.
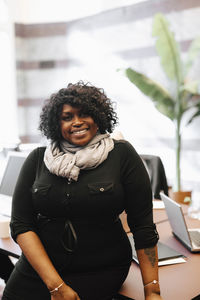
<point x="79" y="132"/>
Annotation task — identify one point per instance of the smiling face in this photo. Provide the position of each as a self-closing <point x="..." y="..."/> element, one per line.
<point x="77" y="128"/>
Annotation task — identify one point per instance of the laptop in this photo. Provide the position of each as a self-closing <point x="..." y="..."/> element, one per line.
<point x="190" y="238"/>
<point x="13" y="166"/>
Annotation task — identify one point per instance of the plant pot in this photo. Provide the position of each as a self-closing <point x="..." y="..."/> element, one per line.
<point x="181" y="195"/>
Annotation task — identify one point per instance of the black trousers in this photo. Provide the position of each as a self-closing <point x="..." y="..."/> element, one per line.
<point x="6" y="267"/>
<point x="98" y="285"/>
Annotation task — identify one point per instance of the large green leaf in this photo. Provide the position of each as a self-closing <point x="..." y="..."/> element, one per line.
<point x="168" y="49"/>
<point x="192" y="87"/>
<point x="161" y="98"/>
<point x="193" y="52"/>
<point x="196" y="113"/>
<point x="187" y="93"/>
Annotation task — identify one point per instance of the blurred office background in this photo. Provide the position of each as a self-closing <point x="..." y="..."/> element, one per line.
<point x="47" y="44"/>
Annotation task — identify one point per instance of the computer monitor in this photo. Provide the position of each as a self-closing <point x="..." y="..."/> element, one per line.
<point x="15" y="161"/>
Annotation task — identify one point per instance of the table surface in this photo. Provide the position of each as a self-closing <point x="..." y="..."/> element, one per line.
<point x="177" y="282"/>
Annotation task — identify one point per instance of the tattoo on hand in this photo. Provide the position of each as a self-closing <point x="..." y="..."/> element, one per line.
<point x="151" y="253"/>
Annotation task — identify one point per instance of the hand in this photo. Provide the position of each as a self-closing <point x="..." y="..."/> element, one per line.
<point x="153" y="296"/>
<point x="65" y="293"/>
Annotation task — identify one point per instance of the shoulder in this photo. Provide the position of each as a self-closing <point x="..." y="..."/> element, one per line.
<point x="36" y="153"/>
<point x="123" y="145"/>
<point x="38" y="150"/>
<point x="127" y="153"/>
<point x="33" y="159"/>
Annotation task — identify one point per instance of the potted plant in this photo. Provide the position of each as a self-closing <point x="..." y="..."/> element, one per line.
<point x="184" y="94"/>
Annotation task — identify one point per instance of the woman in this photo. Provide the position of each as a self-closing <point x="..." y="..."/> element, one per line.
<point x="67" y="201"/>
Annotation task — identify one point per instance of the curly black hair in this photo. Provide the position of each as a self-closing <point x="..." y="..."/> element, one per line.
<point x="90" y="99"/>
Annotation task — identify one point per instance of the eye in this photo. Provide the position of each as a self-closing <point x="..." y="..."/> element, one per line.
<point x="66" y="117"/>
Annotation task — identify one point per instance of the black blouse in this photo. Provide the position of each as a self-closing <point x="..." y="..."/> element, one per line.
<point x="88" y="209"/>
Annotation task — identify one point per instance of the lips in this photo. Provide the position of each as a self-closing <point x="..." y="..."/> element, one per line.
<point x="79" y="132"/>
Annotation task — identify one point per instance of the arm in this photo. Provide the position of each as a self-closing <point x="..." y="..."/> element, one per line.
<point x="148" y="261"/>
<point x="138" y="205"/>
<point x="38" y="258"/>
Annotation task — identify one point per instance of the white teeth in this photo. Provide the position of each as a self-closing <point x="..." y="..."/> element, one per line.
<point x="79" y="132"/>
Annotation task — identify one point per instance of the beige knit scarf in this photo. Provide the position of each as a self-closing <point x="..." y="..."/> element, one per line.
<point x="71" y="159"/>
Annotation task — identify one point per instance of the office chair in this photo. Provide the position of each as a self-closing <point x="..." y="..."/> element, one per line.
<point x="156" y="173"/>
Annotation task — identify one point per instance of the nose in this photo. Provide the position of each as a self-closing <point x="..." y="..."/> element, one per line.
<point x="77" y="122"/>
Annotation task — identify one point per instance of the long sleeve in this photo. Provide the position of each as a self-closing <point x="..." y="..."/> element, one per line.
<point x="22" y="217"/>
<point x="138" y="198"/>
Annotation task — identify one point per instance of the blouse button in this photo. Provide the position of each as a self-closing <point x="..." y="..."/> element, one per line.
<point x="101" y="189"/>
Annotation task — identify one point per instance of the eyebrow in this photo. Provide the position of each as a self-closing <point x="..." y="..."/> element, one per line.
<point x="66" y="112"/>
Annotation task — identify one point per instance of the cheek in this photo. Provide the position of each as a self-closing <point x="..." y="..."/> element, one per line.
<point x="63" y="130"/>
<point x="94" y="128"/>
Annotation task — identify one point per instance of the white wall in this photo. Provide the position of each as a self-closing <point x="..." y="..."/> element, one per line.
<point x="8" y="113"/>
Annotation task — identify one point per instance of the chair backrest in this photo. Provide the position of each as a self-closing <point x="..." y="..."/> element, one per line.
<point x="157" y="174"/>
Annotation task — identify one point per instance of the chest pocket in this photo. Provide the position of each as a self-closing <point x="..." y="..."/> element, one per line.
<point x="100" y="188"/>
<point x="40" y="190"/>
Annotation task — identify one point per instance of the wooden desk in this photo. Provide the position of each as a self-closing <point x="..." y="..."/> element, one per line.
<point x="177" y="282"/>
